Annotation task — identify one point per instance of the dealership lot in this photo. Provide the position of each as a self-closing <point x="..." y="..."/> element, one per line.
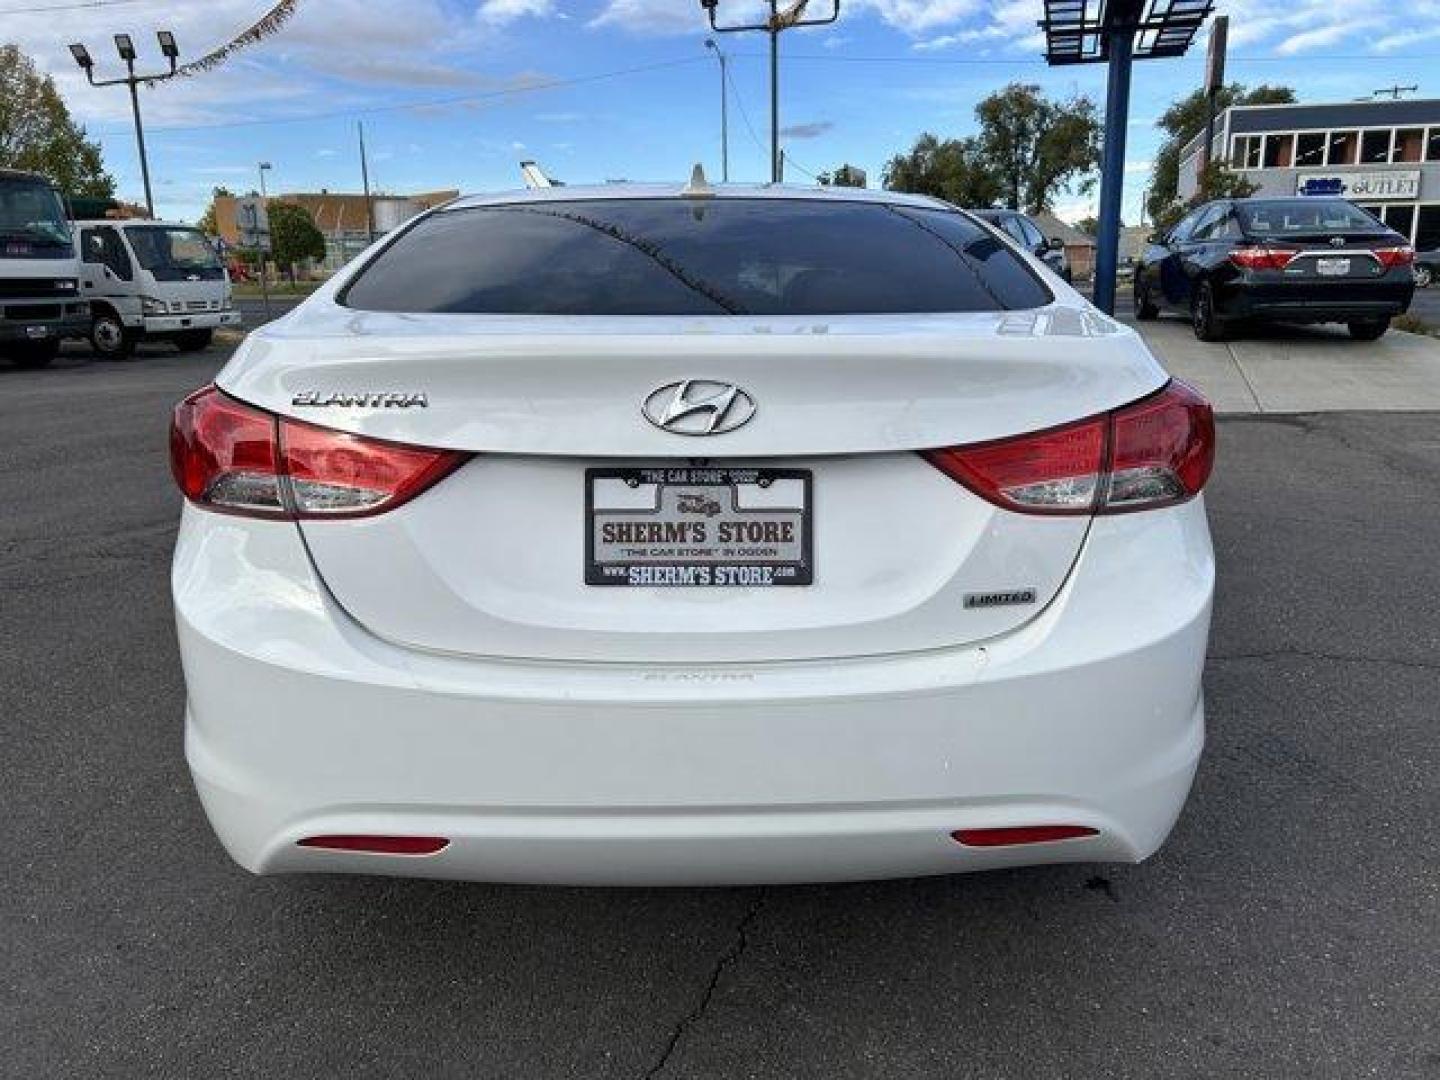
<point x="1287" y="928"/>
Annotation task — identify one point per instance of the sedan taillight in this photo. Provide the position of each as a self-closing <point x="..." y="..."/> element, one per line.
<point x="1262" y="258"/>
<point x="1155" y="452"/>
<point x="238" y="459"/>
<point x="1395" y="256"/>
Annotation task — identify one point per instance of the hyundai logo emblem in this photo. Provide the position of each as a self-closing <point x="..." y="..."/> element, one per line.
<point x="698" y="407"/>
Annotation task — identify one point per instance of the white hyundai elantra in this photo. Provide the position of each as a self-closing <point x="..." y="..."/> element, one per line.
<point x="636" y="535"/>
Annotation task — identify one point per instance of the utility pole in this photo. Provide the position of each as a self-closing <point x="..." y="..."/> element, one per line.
<point x="778" y="22"/>
<point x="126" y="48"/>
<point x="365" y="185"/>
<point x="262" y="168"/>
<point x="1214" y="83"/>
<point x="724" y="112"/>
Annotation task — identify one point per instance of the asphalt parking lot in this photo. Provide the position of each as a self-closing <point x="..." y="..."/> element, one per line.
<point x="1287" y="929"/>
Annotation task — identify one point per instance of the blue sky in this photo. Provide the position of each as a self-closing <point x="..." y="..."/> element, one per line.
<point x="454" y="93"/>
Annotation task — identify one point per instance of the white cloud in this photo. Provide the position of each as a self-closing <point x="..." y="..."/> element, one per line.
<point x="505" y="11"/>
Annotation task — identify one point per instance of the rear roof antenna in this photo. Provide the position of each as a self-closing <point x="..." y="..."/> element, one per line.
<point x="699" y="187"/>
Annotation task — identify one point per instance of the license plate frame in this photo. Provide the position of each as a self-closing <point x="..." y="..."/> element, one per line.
<point x="722" y="495"/>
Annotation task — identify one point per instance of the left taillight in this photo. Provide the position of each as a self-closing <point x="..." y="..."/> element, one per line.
<point x="1155" y="452"/>
<point x="237" y="459"/>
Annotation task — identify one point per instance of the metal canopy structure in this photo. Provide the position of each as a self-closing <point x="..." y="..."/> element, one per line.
<point x="1117" y="32"/>
<point x="1077" y="31"/>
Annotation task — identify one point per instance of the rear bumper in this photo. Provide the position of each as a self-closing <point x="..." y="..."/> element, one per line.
<point x="1318" y="302"/>
<point x="299" y="723"/>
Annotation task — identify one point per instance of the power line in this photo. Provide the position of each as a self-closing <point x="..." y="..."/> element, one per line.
<point x="744" y="113"/>
<point x="981" y="61"/>
<point x="456" y="99"/>
<point x="77" y="6"/>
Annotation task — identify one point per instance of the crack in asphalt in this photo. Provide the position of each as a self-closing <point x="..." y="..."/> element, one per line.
<point x="728" y="959"/>
<point x="1342" y="658"/>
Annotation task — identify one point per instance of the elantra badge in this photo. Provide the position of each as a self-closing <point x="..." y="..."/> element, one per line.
<point x="364" y="399"/>
<point x="698" y="407"/>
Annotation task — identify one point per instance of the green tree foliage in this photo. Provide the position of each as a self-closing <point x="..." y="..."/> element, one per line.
<point x="1029" y="148"/>
<point x="1182" y="122"/>
<point x="845" y="176"/>
<point x="293" y="235"/>
<point x="1037" y="146"/>
<point x="1090" y="226"/>
<point x="948" y="169"/>
<point x="207" y="219"/>
<point x="36" y="132"/>
<point x="1218" y="183"/>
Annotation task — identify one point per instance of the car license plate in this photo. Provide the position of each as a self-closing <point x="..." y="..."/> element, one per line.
<point x="698" y="527"/>
<point x="1332" y="267"/>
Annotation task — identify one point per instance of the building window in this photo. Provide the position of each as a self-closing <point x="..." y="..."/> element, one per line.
<point x="1375" y="148"/>
<point x="1246" y="153"/>
<point x="1343" y="145"/>
<point x="1427" y="235"/>
<point x="1279" y="151"/>
<point x="1409" y="142"/>
<point x="1310" y="148"/>
<point x="1401" y="219"/>
<point x="1432" y="147"/>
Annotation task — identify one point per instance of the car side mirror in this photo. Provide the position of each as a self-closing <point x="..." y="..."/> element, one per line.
<point x="1055" y="244"/>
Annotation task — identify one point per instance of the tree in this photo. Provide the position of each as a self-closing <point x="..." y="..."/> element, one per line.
<point x="949" y="170"/>
<point x="1182" y="122"/>
<point x="845" y="176"/>
<point x="1217" y="182"/>
<point x="1036" y="146"/>
<point x="207" y="219"/>
<point x="1090" y="225"/>
<point x="36" y="132"/>
<point x="293" y="235"/>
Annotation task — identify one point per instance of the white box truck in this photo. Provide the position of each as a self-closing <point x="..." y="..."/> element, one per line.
<point x="151" y="280"/>
<point x="40" y="297"/>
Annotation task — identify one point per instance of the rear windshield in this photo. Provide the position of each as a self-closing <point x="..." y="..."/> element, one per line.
<point x="1305" y="216"/>
<point x="696" y="257"/>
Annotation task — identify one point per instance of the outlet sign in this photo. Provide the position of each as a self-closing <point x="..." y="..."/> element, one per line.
<point x="1395" y="184"/>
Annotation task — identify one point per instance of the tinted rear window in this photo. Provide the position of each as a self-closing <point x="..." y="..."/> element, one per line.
<point x="1283" y="216"/>
<point x="695" y="257"/>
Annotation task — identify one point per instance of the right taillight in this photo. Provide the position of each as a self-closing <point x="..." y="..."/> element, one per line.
<point x="1155" y="452"/>
<point x="237" y="459"/>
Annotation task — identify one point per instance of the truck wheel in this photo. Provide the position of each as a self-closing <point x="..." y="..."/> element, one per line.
<point x="109" y="336"/>
<point x="193" y="340"/>
<point x="1369" y="329"/>
<point x="36" y="354"/>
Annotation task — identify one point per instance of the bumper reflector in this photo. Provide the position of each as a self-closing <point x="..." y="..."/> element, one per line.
<point x="1021" y="834"/>
<point x="378" y="845"/>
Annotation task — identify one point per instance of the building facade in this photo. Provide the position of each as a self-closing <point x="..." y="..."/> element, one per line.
<point x="344" y="219"/>
<point x="1381" y="155"/>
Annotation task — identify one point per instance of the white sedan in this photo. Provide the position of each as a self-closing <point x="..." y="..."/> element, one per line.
<point x="649" y="534"/>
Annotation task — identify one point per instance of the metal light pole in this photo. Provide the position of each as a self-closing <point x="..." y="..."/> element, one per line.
<point x="262" y="168"/>
<point x="778" y="22"/>
<point x="365" y="183"/>
<point x="126" y="48"/>
<point x="724" y="112"/>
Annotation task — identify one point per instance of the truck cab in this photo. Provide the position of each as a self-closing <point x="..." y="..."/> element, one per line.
<point x="151" y="280"/>
<point x="40" y="297"/>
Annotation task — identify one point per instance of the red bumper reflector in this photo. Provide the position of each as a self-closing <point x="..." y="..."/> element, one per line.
<point x="378" y="845"/>
<point x="1021" y="834"/>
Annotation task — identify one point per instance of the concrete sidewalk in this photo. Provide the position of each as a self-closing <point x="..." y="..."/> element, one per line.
<point x="1301" y="369"/>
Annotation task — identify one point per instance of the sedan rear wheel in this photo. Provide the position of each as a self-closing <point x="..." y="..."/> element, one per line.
<point x="1369" y="329"/>
<point x="1207" y="324"/>
<point x="1145" y="308"/>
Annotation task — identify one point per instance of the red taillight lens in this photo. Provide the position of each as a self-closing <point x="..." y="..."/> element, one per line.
<point x="1395" y="256"/>
<point x="1157" y="452"/>
<point x="232" y="457"/>
<point x="1260" y="258"/>
<point x="1052" y="472"/>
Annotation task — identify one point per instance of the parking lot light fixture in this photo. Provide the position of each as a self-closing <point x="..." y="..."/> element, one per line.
<point x="125" y="46"/>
